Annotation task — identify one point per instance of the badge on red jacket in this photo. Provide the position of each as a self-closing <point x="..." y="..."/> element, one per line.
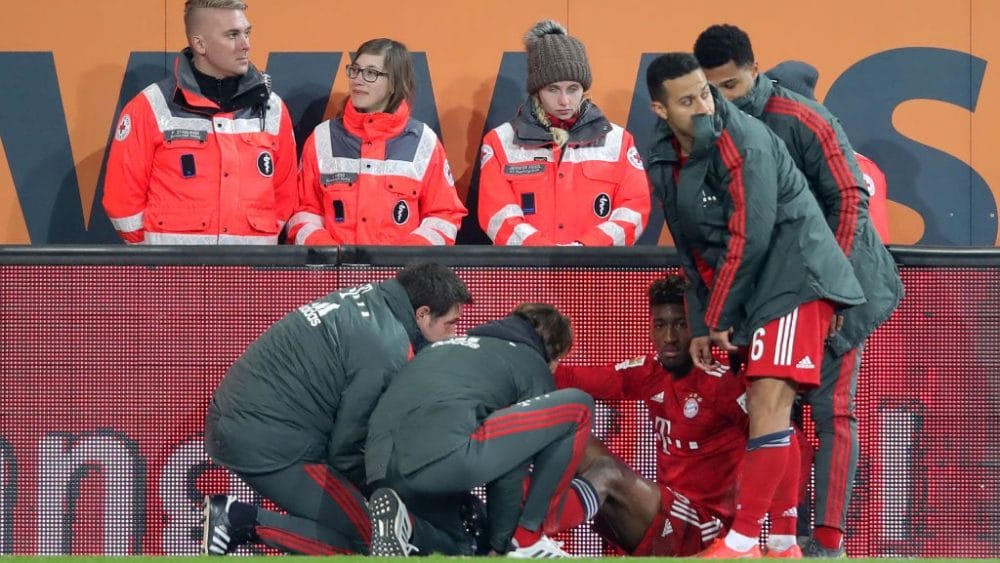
<point x="265" y="164"/>
<point x="124" y="128"/>
<point x="400" y="212"/>
<point x="602" y="205"/>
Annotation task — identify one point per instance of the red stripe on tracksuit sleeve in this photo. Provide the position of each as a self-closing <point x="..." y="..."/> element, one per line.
<point x="737" y="231"/>
<point x="517" y="422"/>
<point x="707" y="274"/>
<point x="343" y="497"/>
<point x="297" y="543"/>
<point x="835" y="160"/>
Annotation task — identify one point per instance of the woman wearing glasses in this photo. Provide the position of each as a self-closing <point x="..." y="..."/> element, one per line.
<point x="375" y="175"/>
<point x="560" y="172"/>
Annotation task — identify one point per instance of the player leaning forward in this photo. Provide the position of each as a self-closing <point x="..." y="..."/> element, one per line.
<point x="291" y="415"/>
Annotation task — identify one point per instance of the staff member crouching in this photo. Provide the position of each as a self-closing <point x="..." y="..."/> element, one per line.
<point x="560" y="172"/>
<point x="375" y="175"/>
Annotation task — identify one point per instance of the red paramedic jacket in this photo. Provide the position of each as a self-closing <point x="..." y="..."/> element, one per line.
<point x="592" y="191"/>
<point x="380" y="178"/>
<point x="182" y="171"/>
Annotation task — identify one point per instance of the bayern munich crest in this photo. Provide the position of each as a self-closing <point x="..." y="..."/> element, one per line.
<point x="870" y="184"/>
<point x="691" y="407"/>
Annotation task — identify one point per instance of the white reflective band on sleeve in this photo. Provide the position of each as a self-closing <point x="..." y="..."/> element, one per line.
<point x="496" y="221"/>
<point x="615" y="231"/>
<point x="305" y="232"/>
<point x="127" y="224"/>
<point x="447" y="229"/>
<point x="305" y="217"/>
<point x="608" y="152"/>
<point x="627" y="215"/>
<point x="422" y="157"/>
<point x="521" y="232"/>
<point x="431" y="235"/>
<point x="275" y="109"/>
<point x="514" y="153"/>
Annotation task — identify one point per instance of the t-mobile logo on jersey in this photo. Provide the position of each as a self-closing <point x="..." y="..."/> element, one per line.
<point x="662" y="427"/>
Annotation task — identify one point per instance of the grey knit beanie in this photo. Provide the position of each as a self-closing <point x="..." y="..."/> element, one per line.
<point x="554" y="56"/>
<point x="799" y="77"/>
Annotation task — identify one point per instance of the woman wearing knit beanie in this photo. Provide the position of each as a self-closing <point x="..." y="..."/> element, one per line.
<point x="375" y="175"/>
<point x="559" y="173"/>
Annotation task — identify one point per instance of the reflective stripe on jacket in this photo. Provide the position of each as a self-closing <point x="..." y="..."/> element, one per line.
<point x="181" y="171"/>
<point x="378" y="178"/>
<point x="592" y="191"/>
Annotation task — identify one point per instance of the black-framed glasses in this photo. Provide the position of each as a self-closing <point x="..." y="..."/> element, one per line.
<point x="368" y="74"/>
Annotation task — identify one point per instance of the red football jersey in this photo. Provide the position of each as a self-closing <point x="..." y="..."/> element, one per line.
<point x="700" y="422"/>
<point x="877" y="199"/>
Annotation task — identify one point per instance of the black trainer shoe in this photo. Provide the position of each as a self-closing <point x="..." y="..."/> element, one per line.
<point x="391" y="526"/>
<point x="219" y="537"/>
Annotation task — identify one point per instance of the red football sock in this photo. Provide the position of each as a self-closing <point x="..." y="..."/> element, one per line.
<point x="828" y="537"/>
<point x="784" y="507"/>
<point x="763" y="470"/>
<point x="526" y="537"/>
<point x="569" y="514"/>
<point x="572" y="508"/>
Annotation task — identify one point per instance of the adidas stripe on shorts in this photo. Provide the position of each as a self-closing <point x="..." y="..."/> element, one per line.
<point x="791" y="347"/>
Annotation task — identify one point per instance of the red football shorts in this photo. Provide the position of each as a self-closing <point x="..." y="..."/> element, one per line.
<point x="680" y="529"/>
<point x="791" y="347"/>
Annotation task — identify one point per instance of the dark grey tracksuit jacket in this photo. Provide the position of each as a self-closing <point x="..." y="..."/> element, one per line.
<point x="750" y="235"/>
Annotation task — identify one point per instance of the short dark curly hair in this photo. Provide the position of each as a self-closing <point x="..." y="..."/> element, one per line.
<point x="722" y="43"/>
<point x="667" y="291"/>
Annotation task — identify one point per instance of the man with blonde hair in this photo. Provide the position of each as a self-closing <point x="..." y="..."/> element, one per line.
<point x="207" y="155"/>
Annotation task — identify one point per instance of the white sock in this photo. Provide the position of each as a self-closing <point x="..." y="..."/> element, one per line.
<point x="739" y="542"/>
<point x="780" y="542"/>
